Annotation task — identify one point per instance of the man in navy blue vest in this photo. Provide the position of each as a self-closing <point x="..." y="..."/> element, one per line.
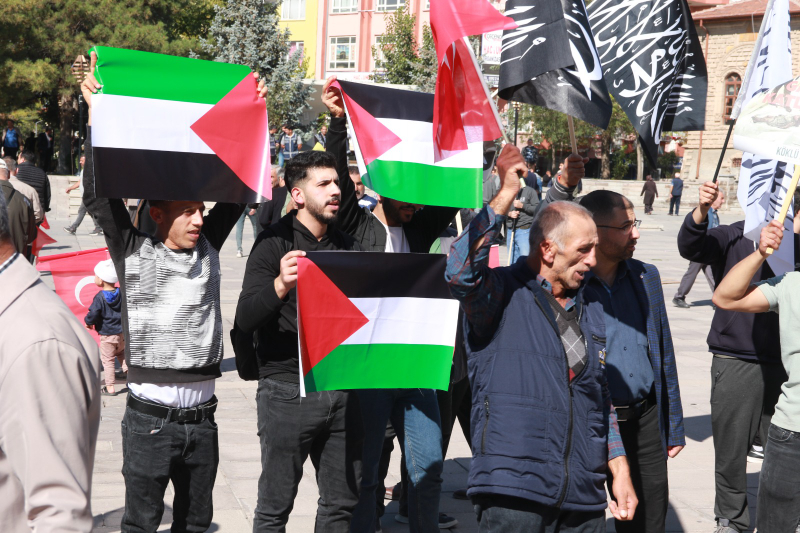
<point x="641" y="366"/>
<point x="544" y="433"/>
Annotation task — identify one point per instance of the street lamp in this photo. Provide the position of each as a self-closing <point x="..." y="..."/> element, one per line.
<point x="517" y="107"/>
<point x="80" y="68"/>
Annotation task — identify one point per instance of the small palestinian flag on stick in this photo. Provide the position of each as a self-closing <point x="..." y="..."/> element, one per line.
<point x="370" y="320"/>
<point x="174" y="128"/>
<point x="392" y="133"/>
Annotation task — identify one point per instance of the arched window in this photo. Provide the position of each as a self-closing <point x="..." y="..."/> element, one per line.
<point x="732" y="84"/>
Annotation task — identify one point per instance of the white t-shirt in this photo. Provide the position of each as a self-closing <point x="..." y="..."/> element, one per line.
<point x="182" y="395"/>
<point x="395" y="239"/>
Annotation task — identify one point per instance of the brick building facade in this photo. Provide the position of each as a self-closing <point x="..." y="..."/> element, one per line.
<point x="727" y="34"/>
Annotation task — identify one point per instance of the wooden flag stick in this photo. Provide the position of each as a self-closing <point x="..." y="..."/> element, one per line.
<point x="574" y="142"/>
<point x="788" y="199"/>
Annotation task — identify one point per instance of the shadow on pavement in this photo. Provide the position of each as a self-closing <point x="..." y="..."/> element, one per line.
<point x="698" y="428"/>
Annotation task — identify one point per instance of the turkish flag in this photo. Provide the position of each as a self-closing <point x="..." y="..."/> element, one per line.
<point x="462" y="108"/>
<point x="73" y="276"/>
<point x="45" y="223"/>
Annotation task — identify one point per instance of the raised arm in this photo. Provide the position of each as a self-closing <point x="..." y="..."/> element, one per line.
<point x="735" y="292"/>
<point x="350" y="215"/>
<point x="695" y="241"/>
<point x="564" y="186"/>
<point x="471" y="281"/>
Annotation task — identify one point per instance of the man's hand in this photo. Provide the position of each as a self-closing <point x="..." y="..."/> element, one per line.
<point x="708" y="193"/>
<point x="90" y="85"/>
<point x="771" y="236"/>
<point x="625" y="501"/>
<point x="573" y="170"/>
<point x="510" y="166"/>
<point x="673" y="451"/>
<point x="89" y="326"/>
<point x="332" y="98"/>
<point x="262" y="86"/>
<point x="287" y="280"/>
<point x="518" y="204"/>
<point x="251" y="212"/>
<point x="513" y="214"/>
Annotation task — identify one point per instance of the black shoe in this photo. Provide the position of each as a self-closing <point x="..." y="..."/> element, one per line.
<point x="756" y="454"/>
<point x="119" y="374"/>
<point x="461" y="494"/>
<point x="69" y="230"/>
<point x="680" y="302"/>
<point x="96" y="232"/>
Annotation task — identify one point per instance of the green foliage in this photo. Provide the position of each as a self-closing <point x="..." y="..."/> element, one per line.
<point x="666" y="162"/>
<point x="405" y="61"/>
<point x="40" y="39"/>
<point x="621" y="164"/>
<point x="246" y="32"/>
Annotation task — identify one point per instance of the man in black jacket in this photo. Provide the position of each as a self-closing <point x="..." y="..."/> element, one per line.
<point x="393" y="226"/>
<point x="746" y="371"/>
<point x="324" y="425"/>
<point x="34" y="176"/>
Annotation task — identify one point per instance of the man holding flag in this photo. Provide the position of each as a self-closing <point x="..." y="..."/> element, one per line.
<point x="399" y="227"/>
<point x="170" y="285"/>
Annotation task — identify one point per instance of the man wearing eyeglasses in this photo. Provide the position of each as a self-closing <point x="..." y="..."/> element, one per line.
<point x="640" y="360"/>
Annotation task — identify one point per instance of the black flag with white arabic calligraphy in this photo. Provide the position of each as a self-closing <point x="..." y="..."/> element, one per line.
<point x="537" y="68"/>
<point x="653" y="65"/>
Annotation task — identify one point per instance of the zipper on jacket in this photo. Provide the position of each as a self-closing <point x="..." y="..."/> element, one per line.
<point x="485" y="425"/>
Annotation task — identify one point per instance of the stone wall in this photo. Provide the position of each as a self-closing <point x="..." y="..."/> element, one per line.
<point x="730" y="44"/>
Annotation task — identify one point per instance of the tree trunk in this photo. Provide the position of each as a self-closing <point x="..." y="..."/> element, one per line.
<point x="605" y="160"/>
<point x="639" y="161"/>
<point x="66" y="111"/>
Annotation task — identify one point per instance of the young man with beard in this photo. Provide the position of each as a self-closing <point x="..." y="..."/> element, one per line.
<point x="640" y="360"/>
<point x="324" y="425"/>
<point x="171" y="318"/>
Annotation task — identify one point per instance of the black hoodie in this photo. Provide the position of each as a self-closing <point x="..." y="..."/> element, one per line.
<point x="105" y="316"/>
<point x="751" y="336"/>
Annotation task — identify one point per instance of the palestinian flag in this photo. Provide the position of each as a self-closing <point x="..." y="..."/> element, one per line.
<point x="371" y="320"/>
<point x="174" y="128"/>
<point x="392" y="132"/>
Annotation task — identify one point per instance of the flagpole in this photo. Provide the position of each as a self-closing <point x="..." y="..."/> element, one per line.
<point x="572" y="140"/>
<point x="737" y="105"/>
<point x="787" y="200"/>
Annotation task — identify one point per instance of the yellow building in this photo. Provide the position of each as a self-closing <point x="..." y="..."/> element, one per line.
<point x="301" y="18"/>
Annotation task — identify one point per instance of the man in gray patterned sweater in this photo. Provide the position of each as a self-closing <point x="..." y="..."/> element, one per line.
<point x="170" y="285"/>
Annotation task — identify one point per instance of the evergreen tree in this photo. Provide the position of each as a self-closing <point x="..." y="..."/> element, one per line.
<point x="40" y="39"/>
<point x="246" y="32"/>
<point x="405" y="61"/>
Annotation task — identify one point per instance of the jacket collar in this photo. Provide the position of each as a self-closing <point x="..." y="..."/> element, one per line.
<point x="15" y="280"/>
<point x="523" y="272"/>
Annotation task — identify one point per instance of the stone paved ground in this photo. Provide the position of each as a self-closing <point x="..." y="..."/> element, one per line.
<point x="691" y="474"/>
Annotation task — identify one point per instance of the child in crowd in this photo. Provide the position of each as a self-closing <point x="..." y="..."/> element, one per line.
<point x="105" y="318"/>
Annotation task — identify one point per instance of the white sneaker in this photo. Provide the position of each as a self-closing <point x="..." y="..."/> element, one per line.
<point x="238" y="253"/>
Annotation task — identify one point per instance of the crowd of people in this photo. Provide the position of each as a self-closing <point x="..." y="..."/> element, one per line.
<point x="564" y="376"/>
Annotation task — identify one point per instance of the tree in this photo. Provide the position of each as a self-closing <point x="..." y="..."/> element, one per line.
<point x="400" y="59"/>
<point x="618" y="126"/>
<point x="40" y="39"/>
<point x="246" y="32"/>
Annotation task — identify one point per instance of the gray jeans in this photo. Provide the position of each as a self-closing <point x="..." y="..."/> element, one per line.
<point x="691" y="275"/>
<point x="743" y="398"/>
<point x="82" y="213"/>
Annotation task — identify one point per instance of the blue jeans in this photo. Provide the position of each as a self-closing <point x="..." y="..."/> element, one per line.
<point x="240" y="227"/>
<point x="521" y="246"/>
<point x="414" y="413"/>
<point x="674" y="201"/>
<point x="778" y="508"/>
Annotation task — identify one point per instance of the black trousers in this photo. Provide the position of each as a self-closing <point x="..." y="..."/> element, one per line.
<point x="743" y="398"/>
<point x="155" y="452"/>
<point x="648" y="466"/>
<point x="325" y="426"/>
<point x="505" y="514"/>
